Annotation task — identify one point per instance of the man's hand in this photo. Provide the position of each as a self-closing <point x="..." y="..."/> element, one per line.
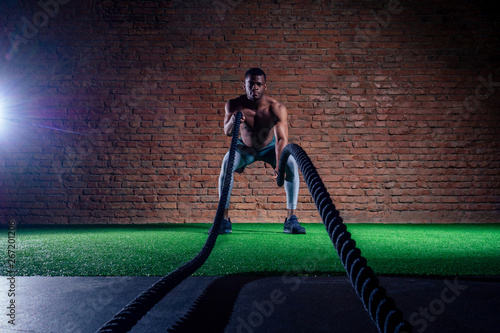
<point x="229" y="118"/>
<point x="242" y="115"/>
<point x="275" y="173"/>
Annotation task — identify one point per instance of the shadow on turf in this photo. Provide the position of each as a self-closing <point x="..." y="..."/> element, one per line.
<point x="214" y="306"/>
<point x="212" y="310"/>
<point x="246" y="231"/>
<point x="237" y="229"/>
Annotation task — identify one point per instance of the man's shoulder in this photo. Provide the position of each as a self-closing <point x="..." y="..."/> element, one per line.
<point x="276" y="107"/>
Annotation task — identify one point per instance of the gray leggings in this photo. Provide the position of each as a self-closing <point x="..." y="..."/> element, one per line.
<point x="247" y="155"/>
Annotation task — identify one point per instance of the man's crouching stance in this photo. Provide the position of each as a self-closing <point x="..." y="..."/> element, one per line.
<point x="264" y="134"/>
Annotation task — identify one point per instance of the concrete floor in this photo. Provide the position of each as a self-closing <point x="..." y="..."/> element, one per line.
<point x="271" y="304"/>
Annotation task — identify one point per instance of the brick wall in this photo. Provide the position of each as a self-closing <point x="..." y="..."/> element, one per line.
<point x="114" y="109"/>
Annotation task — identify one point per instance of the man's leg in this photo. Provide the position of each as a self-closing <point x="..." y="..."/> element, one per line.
<point x="238" y="163"/>
<point x="292" y="183"/>
<point x="242" y="158"/>
<point x="226" y="223"/>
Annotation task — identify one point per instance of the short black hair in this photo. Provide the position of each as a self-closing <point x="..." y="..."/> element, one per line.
<point x="256" y="72"/>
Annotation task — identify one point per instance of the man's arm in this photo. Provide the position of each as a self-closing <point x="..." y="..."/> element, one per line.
<point x="229" y="118"/>
<point x="280" y="132"/>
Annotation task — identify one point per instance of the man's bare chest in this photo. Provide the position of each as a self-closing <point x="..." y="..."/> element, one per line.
<point x="256" y="120"/>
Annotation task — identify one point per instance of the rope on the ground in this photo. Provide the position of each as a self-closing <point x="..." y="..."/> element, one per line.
<point x="381" y="308"/>
<point x="124" y="320"/>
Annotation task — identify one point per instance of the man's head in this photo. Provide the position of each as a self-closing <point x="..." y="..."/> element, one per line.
<point x="255" y="83"/>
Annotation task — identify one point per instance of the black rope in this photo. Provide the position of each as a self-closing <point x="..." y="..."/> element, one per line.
<point x="381" y="308"/>
<point x="124" y="320"/>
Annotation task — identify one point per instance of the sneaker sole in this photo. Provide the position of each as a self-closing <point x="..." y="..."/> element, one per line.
<point x="228" y="231"/>
<point x="288" y="231"/>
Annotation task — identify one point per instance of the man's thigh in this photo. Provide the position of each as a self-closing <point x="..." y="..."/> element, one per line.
<point x="246" y="157"/>
<point x="267" y="155"/>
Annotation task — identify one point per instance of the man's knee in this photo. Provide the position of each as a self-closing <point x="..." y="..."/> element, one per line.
<point x="225" y="161"/>
<point x="292" y="169"/>
<point x="236" y="165"/>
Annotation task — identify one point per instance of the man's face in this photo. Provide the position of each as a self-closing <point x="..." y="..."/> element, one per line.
<point x="255" y="87"/>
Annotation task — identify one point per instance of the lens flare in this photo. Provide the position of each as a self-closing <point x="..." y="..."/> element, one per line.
<point x="5" y="118"/>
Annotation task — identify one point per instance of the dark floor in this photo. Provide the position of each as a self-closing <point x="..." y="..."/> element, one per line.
<point x="271" y="304"/>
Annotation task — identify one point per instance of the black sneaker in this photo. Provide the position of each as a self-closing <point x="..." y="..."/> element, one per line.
<point x="292" y="226"/>
<point x="225" y="227"/>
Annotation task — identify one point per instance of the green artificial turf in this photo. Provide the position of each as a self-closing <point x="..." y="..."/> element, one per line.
<point x="156" y="250"/>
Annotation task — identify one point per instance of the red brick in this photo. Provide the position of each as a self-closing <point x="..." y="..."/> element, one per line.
<point x="392" y="120"/>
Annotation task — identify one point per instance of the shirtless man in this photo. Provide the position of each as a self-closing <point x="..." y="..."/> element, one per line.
<point x="264" y="134"/>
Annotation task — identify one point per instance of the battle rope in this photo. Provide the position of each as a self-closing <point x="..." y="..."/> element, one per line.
<point x="124" y="320"/>
<point x="382" y="309"/>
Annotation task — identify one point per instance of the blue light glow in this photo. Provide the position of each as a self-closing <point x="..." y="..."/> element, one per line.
<point x="5" y="117"/>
